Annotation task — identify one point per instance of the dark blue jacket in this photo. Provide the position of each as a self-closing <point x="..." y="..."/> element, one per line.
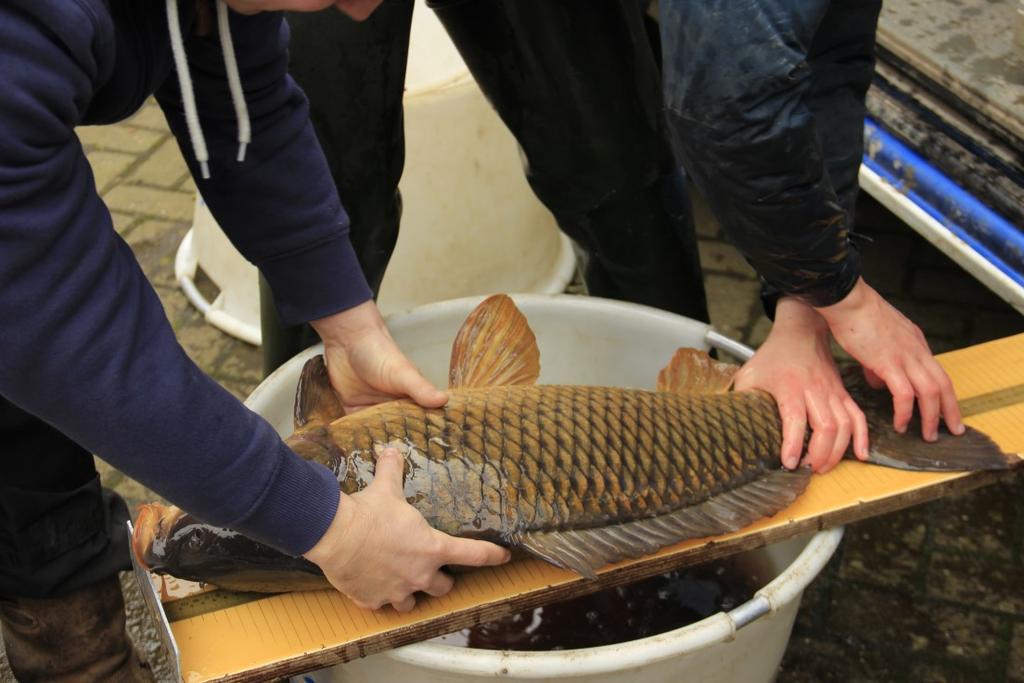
<point x="84" y="341"/>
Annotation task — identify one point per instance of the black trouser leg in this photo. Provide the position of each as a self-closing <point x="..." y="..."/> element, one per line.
<point x="842" y="60"/>
<point x="59" y="531"/>
<point x="354" y="75"/>
<point x="577" y="83"/>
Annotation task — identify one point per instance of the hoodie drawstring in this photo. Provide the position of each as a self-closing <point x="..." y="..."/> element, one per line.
<point x="227" y="47"/>
<point x="195" y="130"/>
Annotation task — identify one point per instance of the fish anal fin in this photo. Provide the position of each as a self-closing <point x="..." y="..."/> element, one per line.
<point x="692" y="371"/>
<point x="587" y="550"/>
<point x="315" y="399"/>
<point x="494" y="347"/>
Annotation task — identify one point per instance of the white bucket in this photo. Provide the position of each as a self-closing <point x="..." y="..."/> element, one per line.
<point x="236" y="308"/>
<point x="585" y="341"/>
<point x="470" y="223"/>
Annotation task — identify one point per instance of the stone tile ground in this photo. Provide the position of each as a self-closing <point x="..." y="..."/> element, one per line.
<point x="929" y="594"/>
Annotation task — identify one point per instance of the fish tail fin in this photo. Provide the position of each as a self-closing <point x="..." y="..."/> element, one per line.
<point x="971" y="451"/>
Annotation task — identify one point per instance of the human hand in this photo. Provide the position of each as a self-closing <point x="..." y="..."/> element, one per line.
<point x="895" y="354"/>
<point x="365" y="365"/>
<point x="379" y="550"/>
<point x="795" y="366"/>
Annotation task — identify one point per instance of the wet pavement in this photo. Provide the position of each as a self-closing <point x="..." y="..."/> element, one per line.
<point x="933" y="593"/>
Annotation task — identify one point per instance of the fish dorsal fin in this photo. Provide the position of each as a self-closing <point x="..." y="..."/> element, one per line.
<point x="695" y="372"/>
<point x="587" y="550"/>
<point x="315" y="399"/>
<point x="495" y="347"/>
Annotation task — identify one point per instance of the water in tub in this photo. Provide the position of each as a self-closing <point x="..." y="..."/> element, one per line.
<point x="615" y="615"/>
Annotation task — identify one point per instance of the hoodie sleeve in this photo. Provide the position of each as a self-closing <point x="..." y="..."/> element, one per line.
<point x="84" y="342"/>
<point x="279" y="206"/>
<point x="737" y="82"/>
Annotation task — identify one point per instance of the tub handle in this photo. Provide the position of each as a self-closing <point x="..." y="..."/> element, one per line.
<point x="717" y="340"/>
<point x="792" y="582"/>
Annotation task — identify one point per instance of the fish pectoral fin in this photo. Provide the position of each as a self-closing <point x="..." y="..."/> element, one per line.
<point x="316" y="402"/>
<point x="587" y="550"/>
<point x="692" y="371"/>
<point x="495" y="347"/>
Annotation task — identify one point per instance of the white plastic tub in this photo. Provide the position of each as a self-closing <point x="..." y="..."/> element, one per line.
<point x="586" y="341"/>
<point x="470" y="223"/>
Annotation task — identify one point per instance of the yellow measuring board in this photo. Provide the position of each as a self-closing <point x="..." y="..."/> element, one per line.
<point x="292" y="633"/>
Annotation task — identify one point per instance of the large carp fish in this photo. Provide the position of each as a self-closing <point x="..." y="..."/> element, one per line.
<point x="579" y="476"/>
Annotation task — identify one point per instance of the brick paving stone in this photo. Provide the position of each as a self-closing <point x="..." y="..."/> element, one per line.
<point x="155" y="244"/>
<point x="107" y="166"/>
<point x="759" y="332"/>
<point x="1015" y="667"/>
<point x="976" y="580"/>
<point x="176" y="306"/>
<point x="123" y="222"/>
<point x="705" y="224"/>
<point x="817" y="660"/>
<point x="119" y="138"/>
<point x="241" y="389"/>
<point x="241" y="362"/>
<point x="132" y="491"/>
<point x="148" y="201"/>
<point x="937" y="672"/>
<point x="979" y="521"/>
<point x="730" y="302"/>
<point x="187" y="184"/>
<point x="910" y="624"/>
<point x="164" y="167"/>
<point x="149" y="116"/>
<point x="722" y="257"/>
<point x="886" y="551"/>
<point x="203" y="343"/>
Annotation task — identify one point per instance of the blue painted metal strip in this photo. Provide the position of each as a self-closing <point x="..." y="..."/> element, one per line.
<point x="988" y="233"/>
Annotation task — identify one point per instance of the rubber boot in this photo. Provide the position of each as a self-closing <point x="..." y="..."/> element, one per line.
<point x="76" y="638"/>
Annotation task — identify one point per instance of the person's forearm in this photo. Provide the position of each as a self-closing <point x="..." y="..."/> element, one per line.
<point x="279" y="206"/>
<point x="345" y="327"/>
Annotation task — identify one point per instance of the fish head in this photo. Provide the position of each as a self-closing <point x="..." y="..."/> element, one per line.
<point x="153" y="526"/>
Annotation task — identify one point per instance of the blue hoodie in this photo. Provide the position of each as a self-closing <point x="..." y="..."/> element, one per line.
<point x="84" y="341"/>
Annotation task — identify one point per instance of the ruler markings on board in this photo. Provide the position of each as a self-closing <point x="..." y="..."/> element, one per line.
<point x="205" y="603"/>
<point x="992" y="400"/>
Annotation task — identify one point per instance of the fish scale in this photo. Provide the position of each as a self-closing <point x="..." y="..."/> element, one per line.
<point x="646" y="453"/>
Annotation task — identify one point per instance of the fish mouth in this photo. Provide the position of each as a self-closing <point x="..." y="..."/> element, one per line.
<point x="152" y="525"/>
